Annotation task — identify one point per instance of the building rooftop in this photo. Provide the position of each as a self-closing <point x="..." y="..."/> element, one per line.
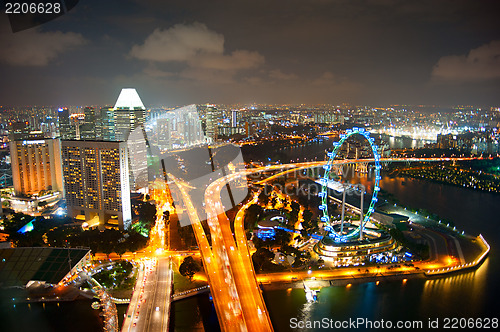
<point x="20" y="265"/>
<point x="129" y="100"/>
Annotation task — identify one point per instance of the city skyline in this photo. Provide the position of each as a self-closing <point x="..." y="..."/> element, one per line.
<point x="377" y="53"/>
<point x="249" y="166"/>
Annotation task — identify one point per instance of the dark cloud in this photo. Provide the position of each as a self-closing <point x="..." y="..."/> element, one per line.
<point x="195" y="45"/>
<point x="185" y="51"/>
<point x="35" y="48"/>
<point x="179" y="43"/>
<point x="278" y="75"/>
<point x="482" y="63"/>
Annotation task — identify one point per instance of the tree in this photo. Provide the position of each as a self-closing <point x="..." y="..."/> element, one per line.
<point x="286" y="203"/>
<point x="261" y="258"/>
<point x="147" y="215"/>
<point x="107" y="248"/>
<point x="293" y="215"/>
<point x="189" y="267"/>
<point x="303" y="200"/>
<point x="309" y="225"/>
<point x="263" y="198"/>
<point x="307" y="215"/>
<point x="147" y="212"/>
<point x="321" y="262"/>
<point x="120" y="249"/>
<point x="252" y="214"/>
<point x="273" y="201"/>
<point x="258" y="243"/>
<point x="282" y="237"/>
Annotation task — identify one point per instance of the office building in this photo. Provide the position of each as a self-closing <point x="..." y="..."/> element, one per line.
<point x="128" y="116"/>
<point x="234" y="118"/>
<point x="212" y="116"/>
<point x="90" y="129"/>
<point x="76" y="122"/>
<point x="327" y="117"/>
<point x="162" y="133"/>
<point x="65" y="130"/>
<point x="96" y="182"/>
<point x="129" y="113"/>
<point x="107" y="123"/>
<point x="36" y="166"/>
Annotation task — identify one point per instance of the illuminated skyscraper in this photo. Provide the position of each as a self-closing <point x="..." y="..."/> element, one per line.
<point x="234" y="118"/>
<point x="19" y="130"/>
<point x="211" y="123"/>
<point x="36" y="166"/>
<point x="163" y="134"/>
<point x="96" y="182"/>
<point x="107" y="123"/>
<point x="64" y="123"/>
<point x="129" y="114"/>
<point x="90" y="130"/>
<point x="76" y="121"/>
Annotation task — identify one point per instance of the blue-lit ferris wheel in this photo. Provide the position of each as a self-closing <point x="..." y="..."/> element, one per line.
<point x="325" y="180"/>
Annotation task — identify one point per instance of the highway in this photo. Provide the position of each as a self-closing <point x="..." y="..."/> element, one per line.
<point x="158" y="305"/>
<point x="252" y="303"/>
<point x="149" y="309"/>
<point x="217" y="267"/>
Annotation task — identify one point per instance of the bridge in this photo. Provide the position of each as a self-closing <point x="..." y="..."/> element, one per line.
<point x="107" y="305"/>
<point x="190" y="293"/>
<point x="289" y="168"/>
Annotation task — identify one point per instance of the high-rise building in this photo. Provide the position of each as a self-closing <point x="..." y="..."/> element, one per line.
<point x="162" y="133"/>
<point x="189" y="126"/>
<point x="234" y="118"/>
<point x="107" y="123"/>
<point x="36" y="166"/>
<point x="212" y="115"/>
<point x="96" y="182"/>
<point x="76" y="121"/>
<point x="327" y="117"/>
<point x="22" y="131"/>
<point x="64" y="123"/>
<point x="90" y="130"/>
<point x="138" y="159"/>
<point x="447" y="141"/>
<point x="129" y="113"/>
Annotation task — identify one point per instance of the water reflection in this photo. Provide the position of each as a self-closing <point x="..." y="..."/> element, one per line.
<point x="450" y="292"/>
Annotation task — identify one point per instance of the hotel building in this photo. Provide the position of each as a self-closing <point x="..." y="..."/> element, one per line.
<point x="96" y="182"/>
<point x="36" y="166"/>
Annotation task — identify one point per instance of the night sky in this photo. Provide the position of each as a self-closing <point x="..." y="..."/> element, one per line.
<point x="262" y="51"/>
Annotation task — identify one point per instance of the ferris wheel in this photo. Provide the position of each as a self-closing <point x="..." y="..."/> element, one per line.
<point x="326" y="180"/>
